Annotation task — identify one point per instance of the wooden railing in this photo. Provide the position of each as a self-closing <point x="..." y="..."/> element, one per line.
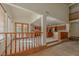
<point x="18" y="42"/>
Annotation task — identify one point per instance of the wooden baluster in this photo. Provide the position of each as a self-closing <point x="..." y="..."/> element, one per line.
<point x="26" y="40"/>
<point x="29" y="41"/>
<point x="36" y="40"/>
<point x="19" y="42"/>
<point x="23" y="41"/>
<point x="32" y="40"/>
<point x="11" y="44"/>
<point x="5" y="43"/>
<point x="40" y="39"/>
<point x="15" y="42"/>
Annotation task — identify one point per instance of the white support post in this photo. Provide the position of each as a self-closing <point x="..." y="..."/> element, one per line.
<point x="6" y="23"/>
<point x="43" y="29"/>
<point x="67" y="29"/>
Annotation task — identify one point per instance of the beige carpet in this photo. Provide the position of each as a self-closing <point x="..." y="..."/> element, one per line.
<point x="70" y="48"/>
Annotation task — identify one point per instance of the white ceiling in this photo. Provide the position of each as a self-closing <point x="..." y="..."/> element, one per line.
<point x="20" y="14"/>
<point x="25" y="14"/>
<point x="56" y="10"/>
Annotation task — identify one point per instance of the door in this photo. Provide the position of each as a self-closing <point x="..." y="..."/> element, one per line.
<point x="21" y="27"/>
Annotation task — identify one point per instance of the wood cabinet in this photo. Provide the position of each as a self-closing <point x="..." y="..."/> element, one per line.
<point x="49" y="34"/>
<point x="61" y="27"/>
<point x="63" y="35"/>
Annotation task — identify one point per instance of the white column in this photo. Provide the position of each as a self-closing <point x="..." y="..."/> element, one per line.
<point x="43" y="29"/>
<point x="6" y="23"/>
<point x="67" y="29"/>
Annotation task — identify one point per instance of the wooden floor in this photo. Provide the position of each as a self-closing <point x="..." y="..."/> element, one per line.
<point x="69" y="48"/>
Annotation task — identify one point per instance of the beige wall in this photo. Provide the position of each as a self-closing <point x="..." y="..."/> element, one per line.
<point x="2" y="19"/>
<point x="74" y="26"/>
<point x="74" y="29"/>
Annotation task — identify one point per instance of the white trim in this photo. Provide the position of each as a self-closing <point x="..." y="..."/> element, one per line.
<point x="35" y="19"/>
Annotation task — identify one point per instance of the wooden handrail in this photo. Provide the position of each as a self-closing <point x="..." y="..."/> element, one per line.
<point x="21" y="23"/>
<point x="32" y="40"/>
<point x="18" y="32"/>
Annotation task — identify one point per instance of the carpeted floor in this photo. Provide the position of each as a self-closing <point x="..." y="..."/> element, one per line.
<point x="70" y="48"/>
